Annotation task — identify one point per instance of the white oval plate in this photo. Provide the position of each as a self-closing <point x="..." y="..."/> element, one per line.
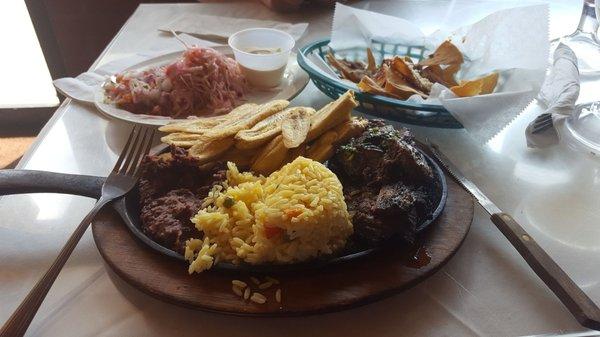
<point x="294" y="80"/>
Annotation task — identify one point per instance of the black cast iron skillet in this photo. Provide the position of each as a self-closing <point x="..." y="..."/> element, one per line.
<point x="26" y="181"/>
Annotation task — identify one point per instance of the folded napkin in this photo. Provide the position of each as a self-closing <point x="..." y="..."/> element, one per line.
<point x="219" y="28"/>
<point x="83" y="87"/>
<point x="558" y="96"/>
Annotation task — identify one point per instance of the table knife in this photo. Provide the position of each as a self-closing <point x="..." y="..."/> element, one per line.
<point x="575" y="300"/>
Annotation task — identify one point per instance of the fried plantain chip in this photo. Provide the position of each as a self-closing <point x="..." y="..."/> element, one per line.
<point x="489" y="83"/>
<point x="371" y="65"/>
<point x="183" y="143"/>
<point x="399" y="77"/>
<point x="446" y="53"/>
<point x="200" y="126"/>
<point x="392" y="75"/>
<point x="468" y="88"/>
<point x="263" y="131"/>
<point x="450" y="71"/>
<point x="196" y="126"/>
<point x="271" y="158"/>
<point x="295" y="126"/>
<point x="479" y="86"/>
<point x="352" y="71"/>
<point x="232" y="127"/>
<point x="400" y="65"/>
<point x="445" y="77"/>
<point x="398" y="86"/>
<point x="183" y="139"/>
<point x="369" y="85"/>
<point x="207" y="151"/>
<point x="332" y="115"/>
<point x="410" y="74"/>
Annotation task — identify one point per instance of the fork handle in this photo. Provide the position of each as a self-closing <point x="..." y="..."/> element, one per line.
<point x="576" y="301"/>
<point x="19" y="321"/>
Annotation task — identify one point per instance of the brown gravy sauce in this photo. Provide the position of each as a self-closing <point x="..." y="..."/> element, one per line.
<point x="417" y="258"/>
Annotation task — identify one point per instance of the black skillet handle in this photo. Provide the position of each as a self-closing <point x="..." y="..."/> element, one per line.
<point x="29" y="181"/>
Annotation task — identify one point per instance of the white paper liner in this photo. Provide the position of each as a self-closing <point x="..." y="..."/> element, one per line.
<point x="512" y="42"/>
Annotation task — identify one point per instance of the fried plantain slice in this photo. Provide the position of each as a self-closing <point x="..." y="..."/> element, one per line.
<point x="183" y="139"/>
<point x="332" y="115"/>
<point x="323" y="148"/>
<point x="350" y="129"/>
<point x="200" y="126"/>
<point x="266" y="129"/>
<point x="295" y="127"/>
<point x="232" y="127"/>
<point x="207" y="151"/>
<point x="271" y="158"/>
<point x="196" y="126"/>
<point x="295" y="153"/>
<point x="261" y="132"/>
<point x="242" y="158"/>
<point x="446" y="53"/>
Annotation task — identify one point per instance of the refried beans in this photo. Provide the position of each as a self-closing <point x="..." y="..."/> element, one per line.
<point x="172" y="187"/>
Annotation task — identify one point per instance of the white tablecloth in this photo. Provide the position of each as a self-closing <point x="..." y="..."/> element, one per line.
<point x="486" y="289"/>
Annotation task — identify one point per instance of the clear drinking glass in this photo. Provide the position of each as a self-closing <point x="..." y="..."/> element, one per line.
<point x="584" y="124"/>
<point x="584" y="41"/>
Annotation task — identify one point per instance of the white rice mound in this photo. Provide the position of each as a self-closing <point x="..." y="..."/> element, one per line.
<point x="293" y="215"/>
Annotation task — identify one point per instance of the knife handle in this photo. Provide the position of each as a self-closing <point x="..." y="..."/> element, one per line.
<point x="576" y="301"/>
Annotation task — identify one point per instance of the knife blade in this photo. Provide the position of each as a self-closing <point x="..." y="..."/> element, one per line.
<point x="468" y="185"/>
<point x="568" y="292"/>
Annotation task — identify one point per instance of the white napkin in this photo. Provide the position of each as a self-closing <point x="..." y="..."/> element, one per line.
<point x="356" y="28"/>
<point x="219" y="28"/>
<point x="558" y="96"/>
<point x="83" y="87"/>
<point x="505" y="41"/>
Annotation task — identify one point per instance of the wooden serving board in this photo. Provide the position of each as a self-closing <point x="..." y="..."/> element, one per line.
<point x="335" y="288"/>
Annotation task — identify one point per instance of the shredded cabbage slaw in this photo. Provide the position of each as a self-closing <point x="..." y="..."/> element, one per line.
<point x="203" y="82"/>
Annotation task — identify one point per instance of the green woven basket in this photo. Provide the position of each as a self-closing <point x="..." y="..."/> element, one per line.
<point x="434" y="115"/>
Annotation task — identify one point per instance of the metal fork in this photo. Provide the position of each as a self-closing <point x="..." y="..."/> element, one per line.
<point x="542" y="122"/>
<point x="121" y="180"/>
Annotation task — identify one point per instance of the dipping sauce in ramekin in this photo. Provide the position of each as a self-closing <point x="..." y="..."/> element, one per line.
<point x="262" y="54"/>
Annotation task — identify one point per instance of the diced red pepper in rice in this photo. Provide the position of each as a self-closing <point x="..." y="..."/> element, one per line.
<point x="293" y="212"/>
<point x="272" y="232"/>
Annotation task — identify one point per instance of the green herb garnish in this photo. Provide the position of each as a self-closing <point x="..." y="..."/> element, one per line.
<point x="228" y="202"/>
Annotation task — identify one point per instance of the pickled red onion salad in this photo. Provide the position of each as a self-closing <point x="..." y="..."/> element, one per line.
<point x="203" y="82"/>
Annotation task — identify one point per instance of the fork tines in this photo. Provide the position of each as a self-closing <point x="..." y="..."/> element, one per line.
<point x="542" y="122"/>
<point x="138" y="145"/>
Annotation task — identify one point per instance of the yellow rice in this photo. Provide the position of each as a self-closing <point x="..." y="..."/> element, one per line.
<point x="295" y="214"/>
